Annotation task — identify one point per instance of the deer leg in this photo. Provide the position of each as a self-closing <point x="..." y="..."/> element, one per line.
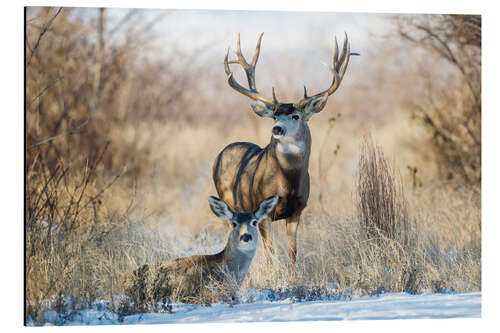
<point x="264" y="231"/>
<point x="292" y="224"/>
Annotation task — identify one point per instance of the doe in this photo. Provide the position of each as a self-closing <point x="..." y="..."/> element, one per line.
<point x="186" y="279"/>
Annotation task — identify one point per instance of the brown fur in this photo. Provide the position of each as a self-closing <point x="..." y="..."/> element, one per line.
<point x="186" y="280"/>
<point x="193" y="279"/>
<point x="244" y="174"/>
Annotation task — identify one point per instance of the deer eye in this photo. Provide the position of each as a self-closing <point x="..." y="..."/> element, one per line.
<point x="234" y="224"/>
<point x="254" y="223"/>
<point x="295" y="117"/>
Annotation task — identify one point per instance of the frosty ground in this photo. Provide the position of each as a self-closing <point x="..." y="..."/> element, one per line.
<point x="385" y="306"/>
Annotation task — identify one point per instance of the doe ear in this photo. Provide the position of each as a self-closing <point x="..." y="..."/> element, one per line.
<point x="220" y="208"/>
<point x="266" y="207"/>
<point x="262" y="109"/>
<point x="315" y="105"/>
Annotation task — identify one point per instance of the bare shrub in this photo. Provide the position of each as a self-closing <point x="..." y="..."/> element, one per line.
<point x="77" y="247"/>
<point x="451" y="108"/>
<point x="65" y="222"/>
<point x="83" y="236"/>
<point x="82" y="69"/>
<point x="382" y="205"/>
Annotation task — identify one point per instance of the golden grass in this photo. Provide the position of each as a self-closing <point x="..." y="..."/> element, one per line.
<point x="171" y="218"/>
<point x="83" y="236"/>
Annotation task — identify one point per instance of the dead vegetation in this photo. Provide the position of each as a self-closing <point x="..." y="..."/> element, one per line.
<point x="451" y="106"/>
<point x="382" y="205"/>
<point x="386" y="239"/>
<point x="118" y="160"/>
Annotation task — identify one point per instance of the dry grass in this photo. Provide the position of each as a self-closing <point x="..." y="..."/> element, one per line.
<point x="86" y="228"/>
<point x="382" y="205"/>
<point x="171" y="218"/>
<point x="442" y="251"/>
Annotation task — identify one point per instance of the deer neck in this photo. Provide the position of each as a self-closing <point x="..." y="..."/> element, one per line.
<point x="292" y="153"/>
<point x="235" y="261"/>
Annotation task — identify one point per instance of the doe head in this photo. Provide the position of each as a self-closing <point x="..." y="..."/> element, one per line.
<point x="244" y="225"/>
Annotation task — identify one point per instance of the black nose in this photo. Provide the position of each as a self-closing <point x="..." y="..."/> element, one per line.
<point x="246" y="238"/>
<point x="278" y="130"/>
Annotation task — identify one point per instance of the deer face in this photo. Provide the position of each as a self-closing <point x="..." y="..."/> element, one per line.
<point x="244" y="233"/>
<point x="290" y="128"/>
<point x="287" y="121"/>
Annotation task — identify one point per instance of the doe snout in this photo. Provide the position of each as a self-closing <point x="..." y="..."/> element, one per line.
<point x="245" y="238"/>
<point x="278" y="130"/>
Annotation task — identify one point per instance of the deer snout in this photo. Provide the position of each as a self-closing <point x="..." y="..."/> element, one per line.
<point x="245" y="238"/>
<point x="278" y="130"/>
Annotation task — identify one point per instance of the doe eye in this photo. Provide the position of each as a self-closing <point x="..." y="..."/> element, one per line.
<point x="295" y="117"/>
<point x="234" y="224"/>
<point x="254" y="223"/>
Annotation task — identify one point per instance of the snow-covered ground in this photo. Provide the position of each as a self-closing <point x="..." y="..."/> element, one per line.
<point x="386" y="306"/>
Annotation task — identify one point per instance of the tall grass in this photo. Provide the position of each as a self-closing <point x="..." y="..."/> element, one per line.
<point x="383" y="242"/>
<point x="382" y="204"/>
<point x="119" y="155"/>
<point x="165" y="217"/>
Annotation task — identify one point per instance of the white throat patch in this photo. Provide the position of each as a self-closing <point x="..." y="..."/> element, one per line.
<point x="247" y="247"/>
<point x="291" y="147"/>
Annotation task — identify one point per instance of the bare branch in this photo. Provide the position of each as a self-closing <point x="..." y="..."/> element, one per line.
<point x="73" y="131"/>
<point x="42" y="32"/>
<point x="43" y="91"/>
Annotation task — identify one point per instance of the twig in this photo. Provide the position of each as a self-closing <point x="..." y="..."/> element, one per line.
<point x="105" y="188"/>
<point x="76" y="129"/>
<point x="43" y="91"/>
<point x="126" y="18"/>
<point x="42" y="32"/>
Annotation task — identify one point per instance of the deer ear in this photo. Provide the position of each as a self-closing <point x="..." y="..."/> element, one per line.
<point x="266" y="207"/>
<point x="220" y="208"/>
<point x="315" y="105"/>
<point x="262" y="109"/>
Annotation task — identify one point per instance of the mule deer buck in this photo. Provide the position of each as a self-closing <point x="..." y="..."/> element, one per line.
<point x="245" y="173"/>
<point x="186" y="279"/>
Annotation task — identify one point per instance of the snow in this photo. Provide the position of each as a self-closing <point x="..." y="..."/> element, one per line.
<point x="385" y="306"/>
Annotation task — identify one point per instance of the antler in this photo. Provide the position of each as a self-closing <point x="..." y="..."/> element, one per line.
<point x="250" y="72"/>
<point x="338" y="70"/>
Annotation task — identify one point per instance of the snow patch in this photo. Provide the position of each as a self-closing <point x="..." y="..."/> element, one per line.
<point x="265" y="306"/>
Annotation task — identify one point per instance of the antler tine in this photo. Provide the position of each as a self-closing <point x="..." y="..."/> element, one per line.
<point x="250" y="73"/>
<point x="335" y="51"/>
<point x="336" y="66"/>
<point x="226" y="63"/>
<point x="241" y="59"/>
<point x="257" y="51"/>
<point x="343" y="55"/>
<point x="275" y="100"/>
<point x="338" y="69"/>
<point x="346" y="62"/>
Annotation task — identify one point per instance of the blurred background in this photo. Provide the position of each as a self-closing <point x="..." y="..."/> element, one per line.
<point x="126" y="110"/>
